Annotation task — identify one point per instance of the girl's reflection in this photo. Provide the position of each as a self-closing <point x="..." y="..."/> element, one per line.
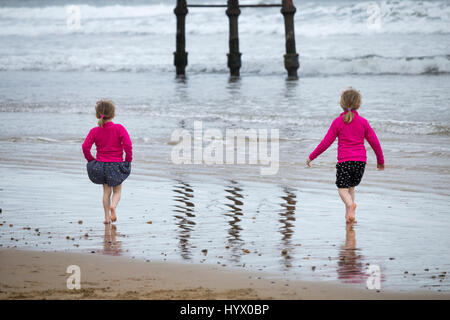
<point x="350" y="265"/>
<point x="110" y="244"/>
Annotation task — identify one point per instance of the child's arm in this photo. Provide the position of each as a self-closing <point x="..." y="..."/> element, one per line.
<point x="326" y="142"/>
<point x="127" y="145"/>
<point x="372" y="138"/>
<point x="87" y="145"/>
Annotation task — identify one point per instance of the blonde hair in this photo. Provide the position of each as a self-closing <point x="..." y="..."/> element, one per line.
<point x="105" y="111"/>
<point x="350" y="99"/>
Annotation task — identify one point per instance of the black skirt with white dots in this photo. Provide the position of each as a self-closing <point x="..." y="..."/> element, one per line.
<point x="349" y="173"/>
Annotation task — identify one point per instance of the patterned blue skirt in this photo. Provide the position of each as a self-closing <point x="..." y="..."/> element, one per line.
<point x="110" y="173"/>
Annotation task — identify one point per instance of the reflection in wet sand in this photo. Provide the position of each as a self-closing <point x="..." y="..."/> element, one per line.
<point x="287" y="218"/>
<point x="184" y="213"/>
<point x="351" y="268"/>
<point x="110" y="244"/>
<point x="234" y="232"/>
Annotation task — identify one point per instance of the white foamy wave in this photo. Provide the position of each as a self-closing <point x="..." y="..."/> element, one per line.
<point x="360" y="65"/>
<point x="375" y="64"/>
<point x="411" y="127"/>
<point x="39" y="139"/>
<point x="312" y="19"/>
<point x="93" y="20"/>
<point x="291" y="123"/>
<point x="375" y="17"/>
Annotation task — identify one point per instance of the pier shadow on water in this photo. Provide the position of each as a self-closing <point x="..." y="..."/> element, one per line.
<point x="234" y="215"/>
<point x="287" y="219"/>
<point x="184" y="215"/>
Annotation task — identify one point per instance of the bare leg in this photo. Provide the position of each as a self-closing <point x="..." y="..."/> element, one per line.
<point x="350" y="205"/>
<point x="351" y="190"/>
<point x="106" y="201"/>
<point x="117" y="191"/>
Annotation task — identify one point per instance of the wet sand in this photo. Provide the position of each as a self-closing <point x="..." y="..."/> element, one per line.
<point x="244" y="225"/>
<point x="42" y="275"/>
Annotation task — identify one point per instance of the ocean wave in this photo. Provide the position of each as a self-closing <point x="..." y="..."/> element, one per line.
<point x="312" y="19"/>
<point x="115" y="38"/>
<point x="378" y="65"/>
<point x="309" y="66"/>
<point x="221" y="119"/>
<point x="40" y="139"/>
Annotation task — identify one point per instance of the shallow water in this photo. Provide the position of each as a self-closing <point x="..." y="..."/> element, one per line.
<point x="241" y="224"/>
<point x="242" y="218"/>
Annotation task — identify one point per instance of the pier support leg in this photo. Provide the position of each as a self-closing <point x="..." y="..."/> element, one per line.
<point x="180" y="55"/>
<point x="291" y="57"/>
<point x="234" y="57"/>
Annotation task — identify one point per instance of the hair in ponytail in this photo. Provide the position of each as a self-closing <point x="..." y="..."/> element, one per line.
<point x="105" y="111"/>
<point x="350" y="100"/>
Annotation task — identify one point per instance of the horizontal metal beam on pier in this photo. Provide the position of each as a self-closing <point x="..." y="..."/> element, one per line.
<point x="240" y="6"/>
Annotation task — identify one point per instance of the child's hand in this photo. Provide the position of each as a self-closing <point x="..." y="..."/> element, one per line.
<point x="308" y="162"/>
<point x="380" y="166"/>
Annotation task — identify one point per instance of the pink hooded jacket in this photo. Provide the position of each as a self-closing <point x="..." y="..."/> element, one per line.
<point x="350" y="140"/>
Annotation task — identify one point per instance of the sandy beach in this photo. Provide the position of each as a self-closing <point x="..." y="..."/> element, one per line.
<point x="42" y="275"/>
<point x="242" y="224"/>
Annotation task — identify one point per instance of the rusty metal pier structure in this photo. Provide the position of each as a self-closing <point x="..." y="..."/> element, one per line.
<point x="233" y="11"/>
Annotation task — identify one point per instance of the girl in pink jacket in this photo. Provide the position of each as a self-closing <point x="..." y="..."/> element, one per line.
<point x="351" y="129"/>
<point x="108" y="168"/>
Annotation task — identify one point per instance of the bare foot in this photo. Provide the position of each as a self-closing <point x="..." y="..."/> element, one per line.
<point x="350" y="216"/>
<point x="113" y="214"/>
<point x="106" y="222"/>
